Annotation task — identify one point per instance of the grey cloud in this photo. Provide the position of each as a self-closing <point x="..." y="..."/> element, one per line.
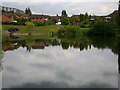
<point x="52" y="8"/>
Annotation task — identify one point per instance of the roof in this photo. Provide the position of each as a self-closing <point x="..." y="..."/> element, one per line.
<point x="39" y="16"/>
<point x="12" y="14"/>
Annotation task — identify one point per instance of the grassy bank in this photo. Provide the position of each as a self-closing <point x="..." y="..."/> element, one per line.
<point x="39" y="30"/>
<point x="43" y="30"/>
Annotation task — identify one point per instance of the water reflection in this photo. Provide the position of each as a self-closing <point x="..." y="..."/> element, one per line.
<point x="81" y="43"/>
<point x="83" y="62"/>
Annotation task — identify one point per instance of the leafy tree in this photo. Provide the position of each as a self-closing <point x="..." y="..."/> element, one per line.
<point x="64" y="13"/>
<point x="82" y="17"/>
<point x="65" y="20"/>
<point x="102" y="28"/>
<point x="67" y="31"/>
<point x="86" y="15"/>
<point x="48" y="22"/>
<point x="75" y="20"/>
<point x="29" y="26"/>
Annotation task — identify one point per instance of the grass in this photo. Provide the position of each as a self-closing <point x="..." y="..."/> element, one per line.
<point x="43" y="30"/>
<point x="39" y="30"/>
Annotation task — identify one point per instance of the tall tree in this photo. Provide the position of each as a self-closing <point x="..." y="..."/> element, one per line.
<point x="64" y="13"/>
<point x="28" y="11"/>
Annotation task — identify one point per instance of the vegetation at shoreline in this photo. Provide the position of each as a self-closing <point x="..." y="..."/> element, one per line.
<point x="102" y="28"/>
<point x="71" y="31"/>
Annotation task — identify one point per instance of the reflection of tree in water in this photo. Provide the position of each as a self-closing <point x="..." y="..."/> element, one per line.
<point x="81" y="43"/>
<point x="65" y="45"/>
<point x="1" y="60"/>
<point x="55" y="42"/>
<point x="105" y="42"/>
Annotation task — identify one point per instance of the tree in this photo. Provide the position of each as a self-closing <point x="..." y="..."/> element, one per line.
<point x="101" y="28"/>
<point x="82" y="17"/>
<point x="65" y="20"/>
<point x="28" y="11"/>
<point x="57" y="15"/>
<point x="86" y="15"/>
<point x="75" y="20"/>
<point x="29" y="26"/>
<point x="64" y="13"/>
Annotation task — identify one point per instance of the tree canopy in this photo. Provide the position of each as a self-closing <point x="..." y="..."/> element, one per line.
<point x="65" y="20"/>
<point x="28" y="11"/>
<point x="64" y="13"/>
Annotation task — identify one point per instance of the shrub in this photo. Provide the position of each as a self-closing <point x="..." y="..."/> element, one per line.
<point x="102" y="28"/>
<point x="65" y="20"/>
<point x="49" y="22"/>
<point x="68" y="31"/>
<point x="29" y="25"/>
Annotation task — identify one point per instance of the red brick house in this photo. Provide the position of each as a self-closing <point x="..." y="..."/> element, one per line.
<point x="7" y="18"/>
<point x="39" y="18"/>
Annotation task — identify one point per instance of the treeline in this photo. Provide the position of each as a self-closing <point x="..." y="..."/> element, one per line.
<point x="82" y="20"/>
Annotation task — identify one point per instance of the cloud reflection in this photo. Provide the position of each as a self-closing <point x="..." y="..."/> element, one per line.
<point x="55" y="67"/>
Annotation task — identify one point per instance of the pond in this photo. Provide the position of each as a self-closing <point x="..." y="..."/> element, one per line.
<point x="49" y="62"/>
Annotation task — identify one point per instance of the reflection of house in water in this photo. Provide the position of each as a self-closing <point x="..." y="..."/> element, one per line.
<point x="8" y="48"/>
<point x="40" y="45"/>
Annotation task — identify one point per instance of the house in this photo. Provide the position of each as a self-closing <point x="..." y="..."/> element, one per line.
<point x="7" y="18"/>
<point x="10" y="17"/>
<point x="108" y="19"/>
<point x="40" y="45"/>
<point x="39" y="18"/>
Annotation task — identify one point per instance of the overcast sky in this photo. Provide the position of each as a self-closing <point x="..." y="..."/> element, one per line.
<point x="97" y="7"/>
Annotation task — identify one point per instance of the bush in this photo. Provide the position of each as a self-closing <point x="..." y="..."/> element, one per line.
<point x="39" y="24"/>
<point x="49" y="22"/>
<point x="29" y="26"/>
<point x="68" y="31"/>
<point x="65" y="20"/>
<point x="102" y="28"/>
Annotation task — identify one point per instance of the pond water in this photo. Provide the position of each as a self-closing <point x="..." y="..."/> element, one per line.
<point x="59" y="63"/>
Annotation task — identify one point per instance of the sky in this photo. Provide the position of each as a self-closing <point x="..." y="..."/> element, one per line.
<point x="72" y="7"/>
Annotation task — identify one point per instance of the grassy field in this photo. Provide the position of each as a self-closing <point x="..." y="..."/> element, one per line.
<point x="43" y="30"/>
<point x="39" y="30"/>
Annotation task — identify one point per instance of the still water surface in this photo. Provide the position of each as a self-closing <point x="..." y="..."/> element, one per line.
<point x="41" y="64"/>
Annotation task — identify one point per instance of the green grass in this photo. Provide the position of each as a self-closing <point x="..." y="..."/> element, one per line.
<point x="40" y="30"/>
<point x="43" y="30"/>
